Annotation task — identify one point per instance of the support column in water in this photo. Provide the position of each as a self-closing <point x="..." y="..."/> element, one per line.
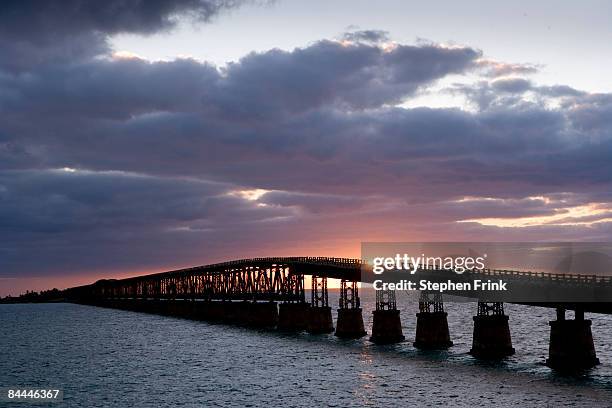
<point x="387" y="325"/>
<point x="350" y="318"/>
<point x="571" y="343"/>
<point x="491" y="332"/>
<point x="432" y="324"/>
<point x="293" y="315"/>
<point x="319" y="314"/>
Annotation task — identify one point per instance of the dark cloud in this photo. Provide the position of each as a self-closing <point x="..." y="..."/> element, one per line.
<point x="560" y="91"/>
<point x="112" y="89"/>
<point x="21" y="54"/>
<point x="325" y="73"/>
<point x="507" y="92"/>
<point x="372" y="36"/>
<point x="51" y="32"/>
<point x="512" y="85"/>
<point x="351" y="76"/>
<point x="193" y="129"/>
<point x="57" y="19"/>
<point x="74" y="219"/>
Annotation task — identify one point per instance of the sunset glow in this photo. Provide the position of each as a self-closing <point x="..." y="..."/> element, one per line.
<point x="584" y="215"/>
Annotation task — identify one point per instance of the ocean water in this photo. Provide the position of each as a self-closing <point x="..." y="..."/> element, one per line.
<point x="112" y="358"/>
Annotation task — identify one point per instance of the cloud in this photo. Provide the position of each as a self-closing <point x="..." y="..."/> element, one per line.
<point x="560" y="91"/>
<point x="495" y="69"/>
<point x="353" y="76"/>
<point x="36" y="20"/>
<point x="509" y="92"/>
<point x="51" y="32"/>
<point x="370" y="36"/>
<point x="116" y="164"/>
<point x="113" y="89"/>
<point x="75" y="219"/>
<point x="260" y="85"/>
<point x="512" y="85"/>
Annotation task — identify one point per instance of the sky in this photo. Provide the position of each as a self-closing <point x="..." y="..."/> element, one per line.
<point x="141" y="136"/>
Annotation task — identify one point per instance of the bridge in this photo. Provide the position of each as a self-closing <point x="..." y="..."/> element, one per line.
<point x="270" y="292"/>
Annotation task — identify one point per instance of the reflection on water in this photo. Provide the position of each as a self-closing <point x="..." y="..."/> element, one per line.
<point x="104" y="357"/>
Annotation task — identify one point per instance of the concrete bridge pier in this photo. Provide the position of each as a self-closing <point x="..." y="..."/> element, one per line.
<point x="262" y="315"/>
<point x="156" y="306"/>
<point x="214" y="311"/>
<point x="293" y="316"/>
<point x="179" y="308"/>
<point x="491" y="332"/>
<point x="386" y="326"/>
<point x="217" y="311"/>
<point x="432" y="324"/>
<point x="201" y="310"/>
<point x="228" y="312"/>
<point x="319" y="315"/>
<point x="350" y="317"/>
<point x="571" y="343"/>
<point x="166" y="307"/>
<point x="162" y="306"/>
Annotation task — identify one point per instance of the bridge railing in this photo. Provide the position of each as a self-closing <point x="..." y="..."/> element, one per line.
<point x="279" y="260"/>
<point x="565" y="277"/>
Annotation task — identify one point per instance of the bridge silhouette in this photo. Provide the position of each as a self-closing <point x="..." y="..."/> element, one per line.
<point x="270" y="292"/>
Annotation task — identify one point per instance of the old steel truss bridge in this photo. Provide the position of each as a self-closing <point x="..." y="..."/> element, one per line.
<point x="270" y="292"/>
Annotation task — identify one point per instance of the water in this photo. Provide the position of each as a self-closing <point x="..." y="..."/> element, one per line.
<point x="106" y="357"/>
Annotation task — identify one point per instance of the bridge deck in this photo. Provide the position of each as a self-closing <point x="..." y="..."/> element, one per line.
<point x="278" y="278"/>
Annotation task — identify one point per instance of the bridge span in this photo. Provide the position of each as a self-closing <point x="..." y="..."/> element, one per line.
<point x="270" y="292"/>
